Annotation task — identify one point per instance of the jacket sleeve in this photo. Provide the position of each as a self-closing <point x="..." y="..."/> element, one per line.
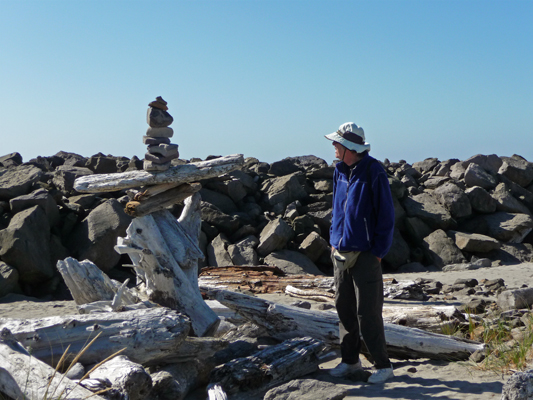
<point x="384" y="207"/>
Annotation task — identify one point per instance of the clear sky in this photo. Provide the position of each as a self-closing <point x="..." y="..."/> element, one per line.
<point x="268" y="79"/>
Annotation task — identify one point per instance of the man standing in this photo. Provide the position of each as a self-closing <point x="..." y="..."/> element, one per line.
<point x="362" y="227"/>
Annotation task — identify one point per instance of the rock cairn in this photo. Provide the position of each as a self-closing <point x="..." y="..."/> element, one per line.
<point x="160" y="151"/>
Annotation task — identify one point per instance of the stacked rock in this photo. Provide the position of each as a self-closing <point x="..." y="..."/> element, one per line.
<point x="160" y="151"/>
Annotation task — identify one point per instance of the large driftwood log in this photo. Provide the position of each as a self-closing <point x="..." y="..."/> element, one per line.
<point x="261" y="279"/>
<point x="270" y="367"/>
<point x="158" y="245"/>
<point x="127" y="377"/>
<point x="162" y="200"/>
<point x="284" y="322"/>
<point x="88" y="283"/>
<point x="192" y="172"/>
<point x="22" y="376"/>
<point x="436" y="319"/>
<point x="147" y="335"/>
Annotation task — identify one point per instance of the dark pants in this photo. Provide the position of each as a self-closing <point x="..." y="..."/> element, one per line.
<point x="359" y="302"/>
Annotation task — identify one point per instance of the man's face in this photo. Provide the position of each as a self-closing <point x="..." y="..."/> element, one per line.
<point x="339" y="150"/>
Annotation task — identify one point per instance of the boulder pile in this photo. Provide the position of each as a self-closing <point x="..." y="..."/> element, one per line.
<point x="449" y="214"/>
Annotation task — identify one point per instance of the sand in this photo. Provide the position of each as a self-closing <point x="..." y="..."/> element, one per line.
<point x="414" y="379"/>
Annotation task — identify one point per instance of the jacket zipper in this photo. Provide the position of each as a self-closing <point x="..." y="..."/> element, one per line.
<point x="367" y="234"/>
<point x="344" y="209"/>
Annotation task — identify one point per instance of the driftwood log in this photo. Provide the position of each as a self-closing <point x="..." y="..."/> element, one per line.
<point x="22" y="376"/>
<point x="185" y="173"/>
<point x="261" y="279"/>
<point x="161" y="201"/>
<point x="437" y="319"/>
<point x="158" y="245"/>
<point x="270" y="367"/>
<point x="127" y="377"/>
<point x="88" y="283"/>
<point x="283" y="322"/>
<point x="147" y="335"/>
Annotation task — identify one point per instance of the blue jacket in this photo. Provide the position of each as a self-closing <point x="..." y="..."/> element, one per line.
<point x="363" y="217"/>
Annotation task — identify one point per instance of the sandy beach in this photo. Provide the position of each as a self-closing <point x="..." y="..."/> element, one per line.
<point x="414" y="379"/>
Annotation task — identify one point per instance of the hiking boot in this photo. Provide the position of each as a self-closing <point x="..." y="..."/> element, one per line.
<point x="381" y="375"/>
<point x="344" y="369"/>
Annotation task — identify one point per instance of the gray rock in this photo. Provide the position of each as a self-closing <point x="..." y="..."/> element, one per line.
<point x="65" y="175"/>
<point x="517" y="169"/>
<point x="399" y="251"/>
<point x="233" y="188"/>
<point x="159" y="159"/>
<point x="323" y="185"/>
<point x="243" y="252"/>
<point x="307" y="389"/>
<point x="503" y="226"/>
<point x="223" y="222"/>
<point x="149" y="165"/>
<point x="101" y="164"/>
<point x="95" y="237"/>
<point x="25" y="245"/>
<point x="313" y="246"/>
<point x="10" y="160"/>
<point x="444" y="168"/>
<point x="505" y="201"/>
<point x="292" y="262"/>
<point x="69" y="159"/>
<point x="457" y="171"/>
<point x="157" y="140"/>
<point x="429" y="210"/>
<point x="519" y="386"/>
<point x="274" y="236"/>
<point x="416" y="229"/>
<point x="480" y="200"/>
<point x="217" y="253"/>
<point x="157" y="118"/>
<point x="290" y="165"/>
<point x="441" y="250"/>
<point x="490" y="163"/>
<point x="283" y="190"/>
<point x="473" y="242"/>
<point x="18" y="180"/>
<point x="397" y="188"/>
<point x="427" y="165"/>
<point x="477" y="176"/>
<point x="323" y="220"/>
<point x="76" y="371"/>
<point x="85" y="201"/>
<point x="512" y="253"/>
<point x="164" y="149"/>
<point x="436" y="181"/>
<point x="525" y="195"/>
<point x="39" y="197"/>
<point x="454" y="199"/>
<point x="9" y="280"/>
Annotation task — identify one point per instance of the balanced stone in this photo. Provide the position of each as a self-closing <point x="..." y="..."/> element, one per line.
<point x="157" y="118"/>
<point x="159" y="159"/>
<point x="151" y="166"/>
<point x="156" y="140"/>
<point x="164" y="132"/>
<point x="163" y="149"/>
<point x="159" y="103"/>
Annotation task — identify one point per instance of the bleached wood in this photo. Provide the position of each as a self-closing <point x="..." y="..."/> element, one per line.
<point x="191" y="221"/>
<point x="166" y="283"/>
<point x="150" y="191"/>
<point x="270" y="367"/>
<point x="428" y="318"/>
<point x="310" y="294"/>
<point x="88" y="283"/>
<point x="284" y="322"/>
<point x="147" y="335"/>
<point x="22" y="376"/>
<point x="161" y="200"/>
<point x="192" y="172"/>
<point x="129" y="378"/>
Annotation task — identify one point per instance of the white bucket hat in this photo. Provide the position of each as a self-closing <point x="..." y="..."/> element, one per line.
<point x="350" y="136"/>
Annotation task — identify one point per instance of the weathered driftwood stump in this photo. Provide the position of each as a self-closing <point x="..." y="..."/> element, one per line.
<point x="164" y="251"/>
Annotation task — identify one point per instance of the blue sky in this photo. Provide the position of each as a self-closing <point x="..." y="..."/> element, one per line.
<point x="424" y="78"/>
